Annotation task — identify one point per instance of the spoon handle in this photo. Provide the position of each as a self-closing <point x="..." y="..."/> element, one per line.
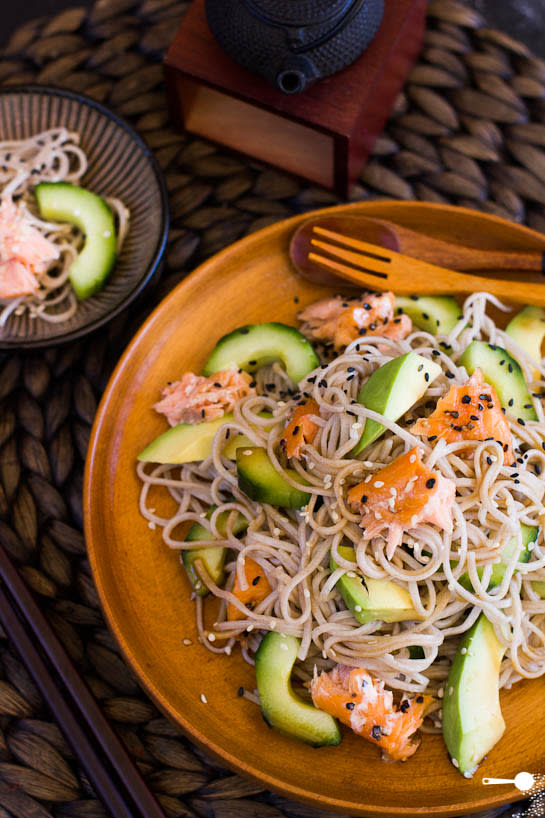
<point x="497" y="781"/>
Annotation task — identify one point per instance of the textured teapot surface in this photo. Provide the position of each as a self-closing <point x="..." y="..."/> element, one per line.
<point x="294" y="42"/>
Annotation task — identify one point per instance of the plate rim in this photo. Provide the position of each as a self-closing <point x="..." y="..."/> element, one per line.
<point x="157" y="258"/>
<point x="220" y="753"/>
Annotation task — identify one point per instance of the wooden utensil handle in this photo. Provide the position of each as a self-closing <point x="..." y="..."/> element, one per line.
<point x="493" y="260"/>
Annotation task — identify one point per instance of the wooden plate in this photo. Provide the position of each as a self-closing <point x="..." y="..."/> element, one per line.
<point x="143" y="588"/>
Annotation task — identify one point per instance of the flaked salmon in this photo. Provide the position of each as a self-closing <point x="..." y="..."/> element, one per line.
<point x="402" y="495"/>
<point x="25" y="254"/>
<point x="301" y="429"/>
<point x="194" y="398"/>
<point x="344" y="320"/>
<point x="360" y="701"/>
<point x="258" y="589"/>
<point x="469" y="412"/>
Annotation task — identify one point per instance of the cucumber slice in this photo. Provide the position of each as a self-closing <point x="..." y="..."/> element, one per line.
<point x="260" y="481"/>
<point x="212" y="558"/>
<point x="529" y="535"/>
<point x="280" y="706"/>
<point x="62" y="202"/>
<point x="504" y="374"/>
<point x="255" y="345"/>
<point x="436" y="314"/>
<point x="392" y="389"/>
<point x="370" y="599"/>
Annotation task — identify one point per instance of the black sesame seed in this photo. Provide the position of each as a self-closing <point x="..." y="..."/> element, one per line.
<point x="376" y="732"/>
<point x="397" y="320"/>
<point x="404" y="706"/>
<point x="323" y="383"/>
<point x="537" y="469"/>
<point x="351" y="369"/>
<point x="516" y="482"/>
<point x="486" y="397"/>
<point x="240" y="691"/>
<point x="413" y="297"/>
<point x="364" y="682"/>
<point x="489" y="461"/>
<point x="217" y="385"/>
<point x="520" y="420"/>
<point x="474" y="417"/>
<point x="312" y="380"/>
<point x="449" y="374"/>
<point x="252" y="363"/>
<point x="527" y="406"/>
<point x="367" y="306"/>
<point x="426" y="376"/>
<point x="480" y="407"/>
<point x="425" y="316"/>
<point x="457" y="428"/>
<point x="437" y="322"/>
<point x="363" y="331"/>
<point x="256" y="580"/>
<point x="433" y="437"/>
<point x="296" y="299"/>
<point x="430" y="483"/>
<point x="510" y="402"/>
<point x="364" y="498"/>
<point x="244" y="331"/>
<point x="253" y="384"/>
<point x="510" y="367"/>
<point x="502" y="362"/>
<point x="420" y="368"/>
<point x="419" y="699"/>
<point x="435" y="352"/>
<point x="270" y="386"/>
<point x="466" y="399"/>
<point x="350" y="705"/>
<point x="227" y="433"/>
<point x="295" y="430"/>
<point x="454" y="414"/>
<point x="492" y="347"/>
<point x="202" y="413"/>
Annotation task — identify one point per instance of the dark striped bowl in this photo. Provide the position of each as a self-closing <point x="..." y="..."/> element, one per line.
<point x="120" y="165"/>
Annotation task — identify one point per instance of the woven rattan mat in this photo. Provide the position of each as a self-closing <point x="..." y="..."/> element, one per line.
<point x="469" y="129"/>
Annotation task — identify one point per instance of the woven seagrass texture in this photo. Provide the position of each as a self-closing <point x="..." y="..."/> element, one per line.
<point x="468" y="129"/>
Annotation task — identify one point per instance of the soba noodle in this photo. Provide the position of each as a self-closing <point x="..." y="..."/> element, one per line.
<point x="293" y="547"/>
<point x="50" y="156"/>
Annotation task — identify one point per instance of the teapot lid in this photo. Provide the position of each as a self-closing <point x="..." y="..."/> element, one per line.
<point x="299" y="13"/>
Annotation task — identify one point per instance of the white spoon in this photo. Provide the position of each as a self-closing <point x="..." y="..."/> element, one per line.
<point x="522" y="781"/>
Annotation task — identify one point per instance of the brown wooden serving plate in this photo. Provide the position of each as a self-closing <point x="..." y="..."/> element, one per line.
<point x="142" y="585"/>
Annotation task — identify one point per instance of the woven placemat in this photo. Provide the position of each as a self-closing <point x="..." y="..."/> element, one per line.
<point x="469" y="129"/>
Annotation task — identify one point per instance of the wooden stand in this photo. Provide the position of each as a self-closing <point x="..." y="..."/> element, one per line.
<point x="324" y="134"/>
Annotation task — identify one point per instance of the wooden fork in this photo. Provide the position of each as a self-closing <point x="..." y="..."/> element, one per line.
<point x="377" y="268"/>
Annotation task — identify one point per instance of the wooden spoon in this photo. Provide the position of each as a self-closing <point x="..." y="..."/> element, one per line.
<point x="404" y="240"/>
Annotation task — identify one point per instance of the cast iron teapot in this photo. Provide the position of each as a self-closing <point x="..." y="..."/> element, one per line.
<point x="294" y="42"/>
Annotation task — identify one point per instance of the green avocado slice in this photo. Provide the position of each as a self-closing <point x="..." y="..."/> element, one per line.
<point x="501" y="371"/>
<point x="369" y="599"/>
<point x="281" y="707"/>
<point x="213" y="558"/>
<point x="527" y="328"/>
<point x="260" y="481"/>
<point x="472" y="719"/>
<point x="529" y="534"/>
<point x="392" y="389"/>
<point x="255" y="345"/>
<point x="436" y="314"/>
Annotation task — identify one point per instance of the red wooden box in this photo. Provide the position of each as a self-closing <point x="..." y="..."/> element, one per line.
<point x="324" y="133"/>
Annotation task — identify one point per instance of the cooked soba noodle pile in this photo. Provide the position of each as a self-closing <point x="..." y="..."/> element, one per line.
<point x="50" y="156"/>
<point x="293" y="547"/>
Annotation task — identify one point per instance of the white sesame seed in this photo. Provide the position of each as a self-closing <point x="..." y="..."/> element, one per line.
<point x="250" y="628"/>
<point x="393" y="491"/>
<point x="310" y="466"/>
<point x="204" y="700"/>
<point x="335" y="517"/>
<point x="378" y="484"/>
<point x="276" y="532"/>
<point x="248" y="451"/>
<point x="351" y="574"/>
<point x="281" y="403"/>
<point x="283" y="646"/>
<point x="412" y="458"/>
<point x="378" y="515"/>
<point x="203" y="515"/>
<point x="77" y="211"/>
<point x="450" y="691"/>
<point x="357" y="608"/>
<point x="414" y="520"/>
<point x="107" y="234"/>
<point x="454" y="761"/>
<point x="187" y="642"/>
<point x="356" y="426"/>
<point x="283" y="635"/>
<point x="228" y="650"/>
<point x="463" y="651"/>
<point x="306" y="593"/>
<point x="211" y="637"/>
<point x="272" y="624"/>
<point x="440" y="692"/>
<point x="152" y="525"/>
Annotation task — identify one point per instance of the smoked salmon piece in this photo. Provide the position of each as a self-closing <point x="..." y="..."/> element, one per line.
<point x="357" y="699"/>
<point x="469" y="412"/>
<point x="25" y="254"/>
<point x="344" y="320"/>
<point x="400" y="496"/>
<point x="301" y="429"/>
<point x="195" y="398"/>
<point x="257" y="590"/>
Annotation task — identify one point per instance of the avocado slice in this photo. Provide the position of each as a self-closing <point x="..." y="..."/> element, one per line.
<point x="472" y="719"/>
<point x="255" y="345"/>
<point x="539" y="587"/>
<point x="184" y="443"/>
<point x="527" y="328"/>
<point x="258" y="479"/>
<point x="280" y="706"/>
<point x="501" y="371"/>
<point x="392" y="389"/>
<point x="213" y="558"/>
<point x="436" y="314"/>
<point x="371" y="599"/>
<point x="63" y="202"/>
<point x="190" y="442"/>
<point x="529" y="534"/>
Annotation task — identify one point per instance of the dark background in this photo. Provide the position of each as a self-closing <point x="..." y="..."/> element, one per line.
<point x="522" y="19"/>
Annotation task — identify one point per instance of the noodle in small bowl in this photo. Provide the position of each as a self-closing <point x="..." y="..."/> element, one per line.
<point x="144" y="590"/>
<point x="55" y="135"/>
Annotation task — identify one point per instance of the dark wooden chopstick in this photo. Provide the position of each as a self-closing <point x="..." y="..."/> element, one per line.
<point x="116" y="780"/>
